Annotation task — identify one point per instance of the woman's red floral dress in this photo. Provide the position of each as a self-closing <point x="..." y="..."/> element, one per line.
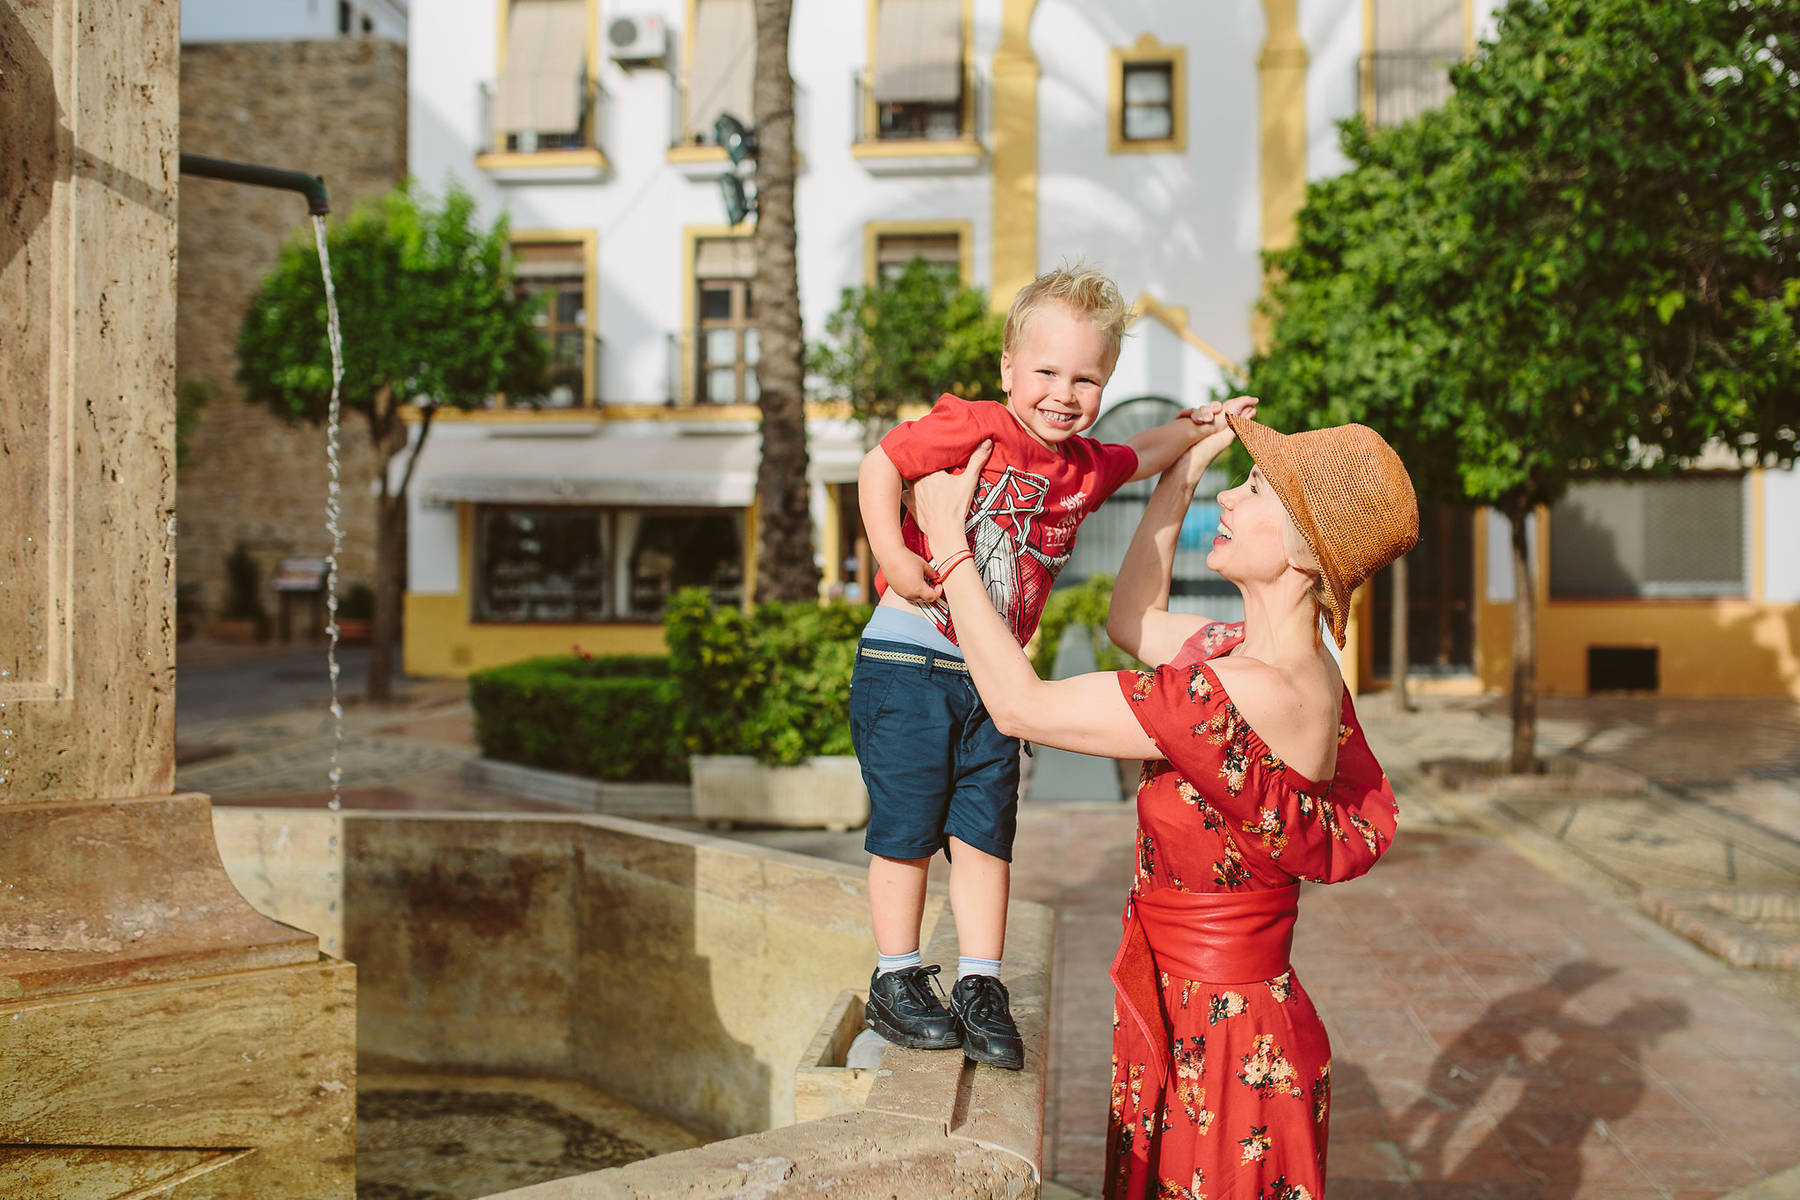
<point x="1245" y="1110"/>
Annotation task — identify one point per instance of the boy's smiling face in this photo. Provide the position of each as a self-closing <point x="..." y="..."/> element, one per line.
<point x="1054" y="374"/>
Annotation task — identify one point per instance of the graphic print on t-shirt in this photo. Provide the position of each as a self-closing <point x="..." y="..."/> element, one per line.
<point x="1017" y="552"/>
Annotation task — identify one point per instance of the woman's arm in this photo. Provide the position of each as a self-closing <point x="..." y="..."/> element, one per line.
<point x="1087" y="713"/>
<point x="1139" y="621"/>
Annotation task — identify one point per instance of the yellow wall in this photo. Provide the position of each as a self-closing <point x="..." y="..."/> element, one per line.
<point x="442" y="642"/>
<point x="1705" y="647"/>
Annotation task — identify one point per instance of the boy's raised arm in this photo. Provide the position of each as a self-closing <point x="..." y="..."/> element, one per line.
<point x="878" y="486"/>
<point x="1161" y="445"/>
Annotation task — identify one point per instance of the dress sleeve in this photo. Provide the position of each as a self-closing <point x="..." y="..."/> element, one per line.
<point x="943" y="437"/>
<point x="1289" y="826"/>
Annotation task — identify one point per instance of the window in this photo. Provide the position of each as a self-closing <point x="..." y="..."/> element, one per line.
<point x="582" y="565"/>
<point x="725" y="321"/>
<point x="894" y="251"/>
<point x="1407" y="69"/>
<point x="721" y="68"/>
<point x="346" y="15"/>
<point x="916" y="85"/>
<point x="1660" y="537"/>
<point x="539" y="564"/>
<point x="557" y="271"/>
<point x="1148" y="101"/>
<point x="541" y="102"/>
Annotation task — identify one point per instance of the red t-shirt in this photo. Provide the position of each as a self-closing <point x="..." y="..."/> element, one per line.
<point x="1022" y="522"/>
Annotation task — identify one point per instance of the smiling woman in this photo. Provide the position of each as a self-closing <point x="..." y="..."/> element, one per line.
<point x="1256" y="776"/>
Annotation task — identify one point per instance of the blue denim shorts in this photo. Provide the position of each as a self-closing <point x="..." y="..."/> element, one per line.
<point x="935" y="765"/>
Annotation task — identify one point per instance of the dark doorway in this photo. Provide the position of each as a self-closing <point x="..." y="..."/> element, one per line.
<point x="1440" y="602"/>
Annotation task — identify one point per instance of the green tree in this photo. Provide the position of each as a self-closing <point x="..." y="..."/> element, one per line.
<point x="429" y="316"/>
<point x="1584" y="264"/>
<point x="785" y="567"/>
<point x="907" y="338"/>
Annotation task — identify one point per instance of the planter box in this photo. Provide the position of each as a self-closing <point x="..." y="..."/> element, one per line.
<point x="823" y="792"/>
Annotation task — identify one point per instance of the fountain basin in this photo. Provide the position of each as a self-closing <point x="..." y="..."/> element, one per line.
<point x="700" y="979"/>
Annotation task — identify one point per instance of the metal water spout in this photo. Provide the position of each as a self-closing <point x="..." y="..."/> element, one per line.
<point x="310" y="186"/>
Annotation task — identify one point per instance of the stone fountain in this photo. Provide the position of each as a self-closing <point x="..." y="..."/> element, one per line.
<point x="157" y="1034"/>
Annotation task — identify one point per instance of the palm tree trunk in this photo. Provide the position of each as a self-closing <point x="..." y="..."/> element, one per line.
<point x="785" y="568"/>
<point x="1524" y="673"/>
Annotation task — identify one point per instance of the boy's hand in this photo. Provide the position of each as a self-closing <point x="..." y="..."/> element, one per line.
<point x="1215" y="433"/>
<point x="911" y="577"/>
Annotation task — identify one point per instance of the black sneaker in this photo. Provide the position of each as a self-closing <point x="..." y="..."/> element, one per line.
<point x="985" y="1018"/>
<point x="904" y="1008"/>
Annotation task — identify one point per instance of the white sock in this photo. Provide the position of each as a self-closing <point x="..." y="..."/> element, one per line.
<point x="886" y="963"/>
<point x="966" y="967"/>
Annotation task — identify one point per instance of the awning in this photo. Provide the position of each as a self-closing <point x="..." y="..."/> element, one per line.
<point x="651" y="470"/>
<point x="545" y="68"/>
<point x="724" y="63"/>
<point x="919" y="52"/>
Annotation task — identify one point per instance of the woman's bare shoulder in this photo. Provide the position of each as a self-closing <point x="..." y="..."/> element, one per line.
<point x="1293" y="709"/>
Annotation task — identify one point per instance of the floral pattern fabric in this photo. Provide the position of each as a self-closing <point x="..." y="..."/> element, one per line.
<point x="1246" y="1112"/>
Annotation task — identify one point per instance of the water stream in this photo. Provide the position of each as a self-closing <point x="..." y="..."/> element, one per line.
<point x="333" y="515"/>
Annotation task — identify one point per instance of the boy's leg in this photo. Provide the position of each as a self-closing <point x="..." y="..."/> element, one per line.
<point x="897" y="902"/>
<point x="979" y="885"/>
<point x="980" y="828"/>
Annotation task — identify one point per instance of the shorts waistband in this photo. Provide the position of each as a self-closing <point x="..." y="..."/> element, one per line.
<point x="890" y="652"/>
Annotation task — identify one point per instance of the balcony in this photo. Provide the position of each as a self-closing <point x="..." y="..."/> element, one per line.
<point x="512" y="151"/>
<point x="933" y="136"/>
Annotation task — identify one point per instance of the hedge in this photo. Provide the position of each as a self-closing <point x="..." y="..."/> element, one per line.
<point x="610" y="718"/>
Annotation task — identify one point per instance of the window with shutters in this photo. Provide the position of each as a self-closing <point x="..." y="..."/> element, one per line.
<point x="1655" y="538"/>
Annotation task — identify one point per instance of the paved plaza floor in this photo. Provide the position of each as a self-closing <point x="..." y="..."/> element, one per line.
<point x="1506" y="1022"/>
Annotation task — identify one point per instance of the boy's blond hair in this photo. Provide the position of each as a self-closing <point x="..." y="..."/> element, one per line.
<point x="1081" y="289"/>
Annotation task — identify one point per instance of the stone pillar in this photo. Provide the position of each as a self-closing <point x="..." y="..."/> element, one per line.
<point x="155" y="1030"/>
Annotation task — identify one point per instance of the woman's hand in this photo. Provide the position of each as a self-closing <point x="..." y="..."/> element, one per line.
<point x="940" y="502"/>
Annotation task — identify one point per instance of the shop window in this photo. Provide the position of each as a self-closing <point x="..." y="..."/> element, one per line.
<point x="542" y="101"/>
<point x="541" y="564"/>
<point x="557" y="272"/>
<point x="1659" y="537"/>
<point x="725" y="310"/>
<point x="917" y="73"/>
<point x="583" y="565"/>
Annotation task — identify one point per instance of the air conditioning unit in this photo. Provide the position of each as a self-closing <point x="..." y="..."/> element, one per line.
<point x="639" y="40"/>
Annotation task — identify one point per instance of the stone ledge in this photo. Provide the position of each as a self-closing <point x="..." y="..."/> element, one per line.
<point x="579" y="792"/>
<point x="1742" y="926"/>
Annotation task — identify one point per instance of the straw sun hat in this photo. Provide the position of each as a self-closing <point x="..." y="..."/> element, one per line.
<point x="1349" y="496"/>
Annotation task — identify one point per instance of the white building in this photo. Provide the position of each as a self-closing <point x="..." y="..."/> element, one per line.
<point x="1166" y="141"/>
<point x="291" y="20"/>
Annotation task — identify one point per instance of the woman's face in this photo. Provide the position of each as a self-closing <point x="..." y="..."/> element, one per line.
<point x="1256" y="535"/>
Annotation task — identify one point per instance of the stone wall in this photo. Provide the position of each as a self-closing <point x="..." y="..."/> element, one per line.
<point x="331" y="108"/>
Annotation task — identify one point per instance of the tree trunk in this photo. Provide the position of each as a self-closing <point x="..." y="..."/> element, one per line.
<point x="390" y="541"/>
<point x="1400" y="660"/>
<point x="390" y="513"/>
<point x="1524" y="673"/>
<point x="785" y="567"/>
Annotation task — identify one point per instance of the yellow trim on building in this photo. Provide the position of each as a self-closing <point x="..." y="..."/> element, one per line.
<point x="698" y="154"/>
<point x="1015" y="133"/>
<point x="831" y="532"/>
<point x="691" y="236"/>
<point x="1755" y="481"/>
<point x="965" y="242"/>
<point x="1281" y="70"/>
<point x="1365" y="67"/>
<point x="1176" y="318"/>
<point x="1726" y="646"/>
<point x="1147" y="50"/>
<point x="589" y="240"/>
<point x="964" y="147"/>
<point x="871" y="119"/>
<point x="510" y="160"/>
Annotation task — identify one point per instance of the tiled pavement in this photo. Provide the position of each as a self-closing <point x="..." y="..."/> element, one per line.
<point x="1506" y="1025"/>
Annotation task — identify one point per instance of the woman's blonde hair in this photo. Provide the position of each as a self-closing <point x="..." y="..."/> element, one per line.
<point x="1081" y="289"/>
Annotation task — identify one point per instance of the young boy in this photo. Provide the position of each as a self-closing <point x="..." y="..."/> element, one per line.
<point x="940" y="776"/>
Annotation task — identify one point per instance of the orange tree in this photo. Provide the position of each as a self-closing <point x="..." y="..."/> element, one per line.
<point x="1586" y="263"/>
<point x="429" y="315"/>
